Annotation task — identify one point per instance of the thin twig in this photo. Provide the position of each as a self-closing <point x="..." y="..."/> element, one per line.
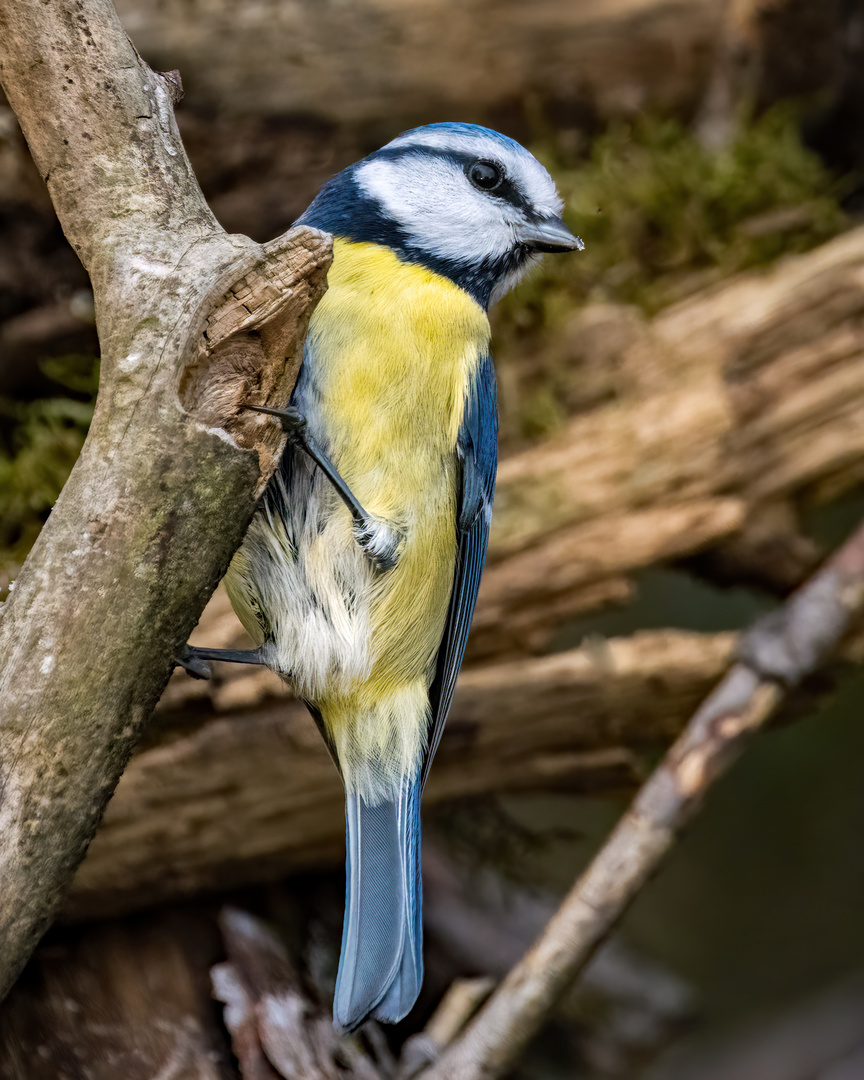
<point x="776" y="654"/>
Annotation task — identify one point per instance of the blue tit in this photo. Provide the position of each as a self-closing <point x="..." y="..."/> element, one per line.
<point x="359" y="573"/>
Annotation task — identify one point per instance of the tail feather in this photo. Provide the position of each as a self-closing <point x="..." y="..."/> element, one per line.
<point x="381" y="965"/>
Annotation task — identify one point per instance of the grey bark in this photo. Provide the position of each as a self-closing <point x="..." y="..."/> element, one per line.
<point x="191" y="322"/>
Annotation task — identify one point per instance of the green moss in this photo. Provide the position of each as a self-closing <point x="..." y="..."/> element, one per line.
<point x="149" y="323"/>
<point x="43" y="442"/>
<point x="662" y="216"/>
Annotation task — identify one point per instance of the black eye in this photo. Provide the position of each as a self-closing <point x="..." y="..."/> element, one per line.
<point x="485" y="175"/>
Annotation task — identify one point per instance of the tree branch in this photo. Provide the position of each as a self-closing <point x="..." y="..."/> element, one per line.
<point x="191" y="323"/>
<point x="775" y="655"/>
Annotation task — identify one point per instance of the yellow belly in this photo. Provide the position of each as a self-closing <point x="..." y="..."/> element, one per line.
<point x="394" y="347"/>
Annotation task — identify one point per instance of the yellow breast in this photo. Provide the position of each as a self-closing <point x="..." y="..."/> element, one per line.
<point x="392" y="349"/>
<point x="394" y="345"/>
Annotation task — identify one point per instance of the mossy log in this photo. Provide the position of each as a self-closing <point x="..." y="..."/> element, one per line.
<point x="728" y="406"/>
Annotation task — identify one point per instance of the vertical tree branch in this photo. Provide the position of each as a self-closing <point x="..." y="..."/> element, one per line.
<point x="775" y="655"/>
<point x="191" y="322"/>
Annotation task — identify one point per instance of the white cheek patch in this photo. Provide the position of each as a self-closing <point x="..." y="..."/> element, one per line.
<point x="522" y="167"/>
<point x="439" y="210"/>
<point x="441" y="213"/>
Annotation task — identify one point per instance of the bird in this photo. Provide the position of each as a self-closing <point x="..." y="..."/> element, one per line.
<point x="358" y="576"/>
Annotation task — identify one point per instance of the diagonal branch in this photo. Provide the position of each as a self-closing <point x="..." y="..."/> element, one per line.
<point x="191" y="322"/>
<point x="776" y="654"/>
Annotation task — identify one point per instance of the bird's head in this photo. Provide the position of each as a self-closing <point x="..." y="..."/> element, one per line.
<point x="463" y="200"/>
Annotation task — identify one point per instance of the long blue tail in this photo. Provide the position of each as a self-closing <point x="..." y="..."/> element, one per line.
<point x="381" y="966"/>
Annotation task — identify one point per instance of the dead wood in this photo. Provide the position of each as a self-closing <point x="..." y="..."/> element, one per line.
<point x="275" y="1032"/>
<point x="251" y="793"/>
<point x="118" y="1000"/>
<point x="744" y="398"/>
<point x="131" y="999"/>
<point x="625" y="1008"/>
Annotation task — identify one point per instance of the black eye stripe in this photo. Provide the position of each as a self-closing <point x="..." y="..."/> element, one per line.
<point x="506" y="190"/>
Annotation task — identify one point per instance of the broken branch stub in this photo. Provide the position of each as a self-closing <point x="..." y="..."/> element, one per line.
<point x="251" y="344"/>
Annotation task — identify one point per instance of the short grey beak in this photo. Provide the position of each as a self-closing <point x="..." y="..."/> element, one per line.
<point x="549" y="234"/>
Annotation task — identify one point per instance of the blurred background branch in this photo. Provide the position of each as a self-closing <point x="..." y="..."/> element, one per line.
<point x="775" y="655"/>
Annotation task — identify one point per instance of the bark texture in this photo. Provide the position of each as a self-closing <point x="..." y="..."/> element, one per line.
<point x="191" y="323"/>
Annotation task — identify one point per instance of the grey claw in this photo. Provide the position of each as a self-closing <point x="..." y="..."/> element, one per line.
<point x="193" y="665"/>
<point x="292" y="420"/>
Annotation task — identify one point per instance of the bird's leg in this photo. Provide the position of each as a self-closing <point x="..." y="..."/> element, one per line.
<point x="194" y="660"/>
<point x="378" y="540"/>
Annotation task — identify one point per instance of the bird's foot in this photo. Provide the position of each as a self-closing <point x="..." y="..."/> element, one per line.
<point x="194" y="660"/>
<point x="293" y="422"/>
<point x="380" y="541"/>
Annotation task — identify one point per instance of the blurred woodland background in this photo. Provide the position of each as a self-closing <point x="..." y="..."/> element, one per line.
<point x="683" y="441"/>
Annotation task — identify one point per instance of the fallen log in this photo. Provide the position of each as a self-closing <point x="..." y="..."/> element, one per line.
<point x="251" y="793"/>
<point x="746" y="397"/>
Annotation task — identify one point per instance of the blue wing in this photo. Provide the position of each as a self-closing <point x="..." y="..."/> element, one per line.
<point x="477" y="448"/>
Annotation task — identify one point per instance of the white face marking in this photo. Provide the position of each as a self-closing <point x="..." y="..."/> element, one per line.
<point x="442" y="213"/>
<point x="522" y="167"/>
